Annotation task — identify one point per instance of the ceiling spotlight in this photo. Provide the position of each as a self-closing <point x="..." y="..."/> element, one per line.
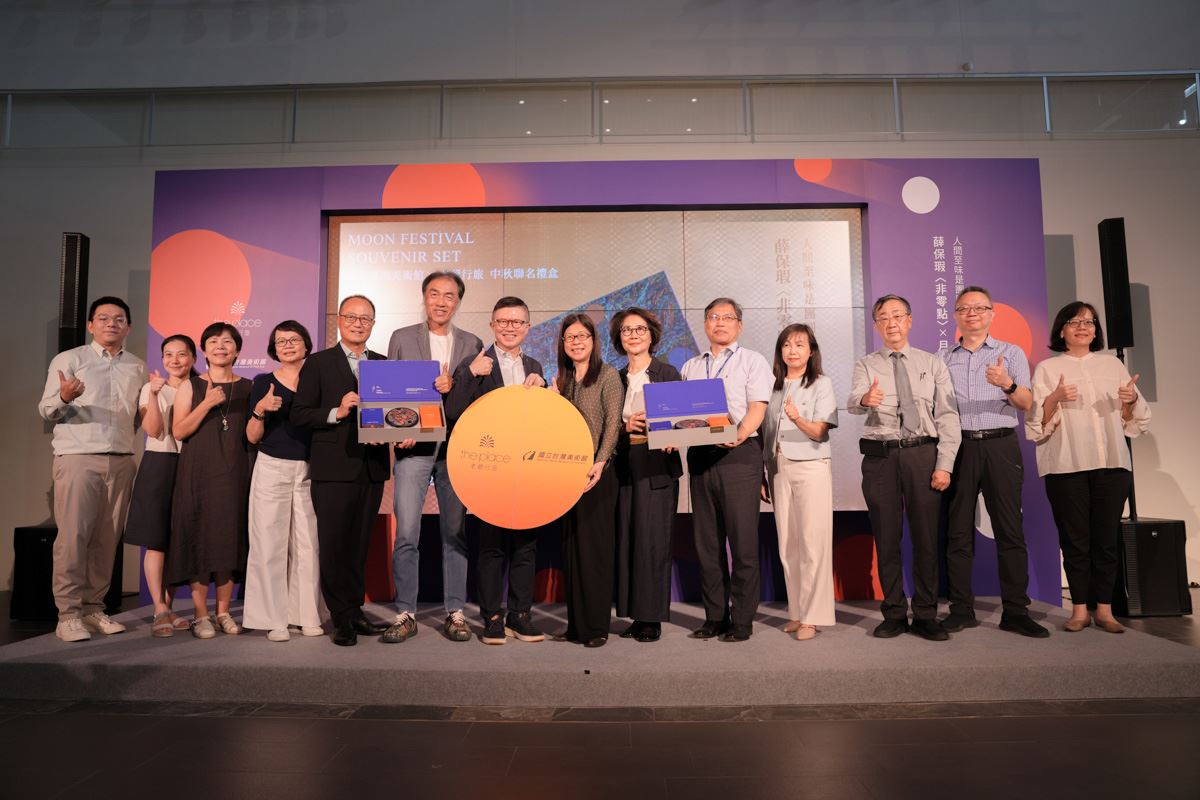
<point x="689" y="130"/>
<point x="520" y="102"/>
<point x="606" y="101"/>
<point x="608" y="130"/>
<point x="695" y="100"/>
<point x="529" y="133"/>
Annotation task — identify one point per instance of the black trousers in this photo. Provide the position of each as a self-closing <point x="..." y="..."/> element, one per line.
<point x="519" y="550"/>
<point x="993" y="466"/>
<point x="1087" y="509"/>
<point x="725" y="487"/>
<point x="346" y="512"/>
<point x="645" y="519"/>
<point x="897" y="485"/>
<point x="589" y="531"/>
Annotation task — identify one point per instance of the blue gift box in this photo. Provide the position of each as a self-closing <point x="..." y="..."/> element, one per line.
<point x="398" y="401"/>
<point x="686" y="413"/>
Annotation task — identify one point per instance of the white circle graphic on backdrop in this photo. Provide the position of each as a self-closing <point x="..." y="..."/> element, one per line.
<point x="920" y="195"/>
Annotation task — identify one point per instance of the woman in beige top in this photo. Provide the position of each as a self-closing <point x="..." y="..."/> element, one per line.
<point x="589" y="528"/>
<point x="1084" y="405"/>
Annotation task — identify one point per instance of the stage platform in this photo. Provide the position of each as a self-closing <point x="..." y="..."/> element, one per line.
<point x="842" y="665"/>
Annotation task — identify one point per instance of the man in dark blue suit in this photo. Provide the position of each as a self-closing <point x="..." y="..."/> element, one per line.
<point x="347" y="477"/>
<point x="502" y="364"/>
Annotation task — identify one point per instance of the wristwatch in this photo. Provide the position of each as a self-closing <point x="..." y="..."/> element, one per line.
<point x="262" y="418"/>
<point x="1010" y="389"/>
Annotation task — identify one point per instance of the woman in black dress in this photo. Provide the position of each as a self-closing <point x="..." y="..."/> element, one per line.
<point x="212" y="487"/>
<point x="648" y="492"/>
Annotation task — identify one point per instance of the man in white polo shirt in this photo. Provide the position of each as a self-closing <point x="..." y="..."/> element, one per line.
<point x="91" y="397"/>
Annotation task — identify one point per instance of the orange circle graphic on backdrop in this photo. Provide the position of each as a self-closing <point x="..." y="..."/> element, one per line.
<point x="813" y="170"/>
<point x="1009" y="325"/>
<point x="434" y="186"/>
<point x="196" y="277"/>
<point x="519" y="457"/>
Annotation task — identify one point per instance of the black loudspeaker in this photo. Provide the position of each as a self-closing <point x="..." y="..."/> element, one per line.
<point x="33" y="567"/>
<point x="1152" y="573"/>
<point x="72" y="291"/>
<point x="1114" y="270"/>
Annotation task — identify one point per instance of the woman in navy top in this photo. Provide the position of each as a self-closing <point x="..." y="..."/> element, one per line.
<point x="282" y="579"/>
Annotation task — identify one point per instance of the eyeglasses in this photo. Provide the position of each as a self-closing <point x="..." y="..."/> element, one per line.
<point x="964" y="310"/>
<point x="104" y="319"/>
<point x="571" y="338"/>
<point x="514" y="324"/>
<point x="353" y="318"/>
<point x="1086" y="322"/>
<point x="722" y="318"/>
<point x="897" y="317"/>
<point x="289" y="342"/>
<point x="635" y="330"/>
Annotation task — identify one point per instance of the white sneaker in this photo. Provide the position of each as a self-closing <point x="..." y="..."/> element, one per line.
<point x="99" y="622"/>
<point x="278" y="635"/>
<point x="72" y="630"/>
<point x="312" y="630"/>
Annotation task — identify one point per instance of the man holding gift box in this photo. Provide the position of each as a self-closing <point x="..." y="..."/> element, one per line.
<point x="725" y="478"/>
<point x="435" y="339"/>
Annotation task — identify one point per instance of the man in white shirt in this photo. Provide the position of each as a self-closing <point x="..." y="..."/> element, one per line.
<point x="725" y="479"/>
<point x="435" y="339"/>
<point x="91" y="397"/>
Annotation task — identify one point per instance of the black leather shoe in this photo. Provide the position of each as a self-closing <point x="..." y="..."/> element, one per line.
<point x="736" y="634"/>
<point x="650" y="632"/>
<point x="367" y="628"/>
<point x="599" y="641"/>
<point x="344" y="634"/>
<point x="929" y="629"/>
<point x="890" y="628"/>
<point x="1022" y="624"/>
<point x="633" y="630"/>
<point x="710" y="630"/>
<point x="956" y="621"/>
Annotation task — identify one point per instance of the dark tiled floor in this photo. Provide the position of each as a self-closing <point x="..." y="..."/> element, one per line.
<point x="1029" y="749"/>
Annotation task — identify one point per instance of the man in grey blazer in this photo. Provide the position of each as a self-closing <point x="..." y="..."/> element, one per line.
<point x="435" y="339"/>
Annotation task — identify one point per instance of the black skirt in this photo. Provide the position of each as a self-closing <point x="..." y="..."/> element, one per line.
<point x="149" y="521"/>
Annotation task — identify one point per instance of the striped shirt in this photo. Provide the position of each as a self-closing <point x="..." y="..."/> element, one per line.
<point x="982" y="406"/>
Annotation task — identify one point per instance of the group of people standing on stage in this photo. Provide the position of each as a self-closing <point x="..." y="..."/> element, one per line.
<point x="296" y="526"/>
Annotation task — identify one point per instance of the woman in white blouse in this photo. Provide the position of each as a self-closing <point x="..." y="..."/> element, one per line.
<point x="1084" y="405"/>
<point x="149" y="522"/>
<point x="799" y="477"/>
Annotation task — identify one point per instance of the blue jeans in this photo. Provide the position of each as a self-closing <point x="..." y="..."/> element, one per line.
<point x="412" y="474"/>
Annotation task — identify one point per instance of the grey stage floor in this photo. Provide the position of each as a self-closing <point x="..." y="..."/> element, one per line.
<point x="842" y="665"/>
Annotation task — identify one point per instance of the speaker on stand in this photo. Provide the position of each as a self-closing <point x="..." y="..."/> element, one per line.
<point x="1152" y="565"/>
<point x="72" y="291"/>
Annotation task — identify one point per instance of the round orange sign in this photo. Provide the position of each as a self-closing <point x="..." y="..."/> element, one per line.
<point x="519" y="457"/>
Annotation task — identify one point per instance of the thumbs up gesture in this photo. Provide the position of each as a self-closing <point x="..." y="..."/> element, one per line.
<point x="69" y="388"/>
<point x="1066" y="391"/>
<point x="482" y="366"/>
<point x="789" y="408"/>
<point x="874" y="395"/>
<point x="270" y="402"/>
<point x="1127" y="393"/>
<point x="997" y="375"/>
<point x="443" y="381"/>
<point x="157" y="381"/>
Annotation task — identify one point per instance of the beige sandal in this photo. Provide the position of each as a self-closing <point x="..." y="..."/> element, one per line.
<point x="227" y="624"/>
<point x="805" y="632"/>
<point x="162" y="626"/>
<point x="179" y="623"/>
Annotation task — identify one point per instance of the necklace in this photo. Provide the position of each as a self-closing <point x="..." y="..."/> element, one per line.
<point x="228" y="402"/>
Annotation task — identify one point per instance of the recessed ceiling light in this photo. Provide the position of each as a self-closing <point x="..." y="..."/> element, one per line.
<point x="606" y="101"/>
<point x="529" y="133"/>
<point x="520" y="102"/>
<point x="694" y="100"/>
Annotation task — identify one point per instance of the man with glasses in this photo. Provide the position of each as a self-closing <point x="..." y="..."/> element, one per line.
<point x="347" y="477"/>
<point x="725" y="479"/>
<point x="435" y="339"/>
<point x="91" y="397"/>
<point x="502" y="364"/>
<point x="910" y="438"/>
<point x="991" y="382"/>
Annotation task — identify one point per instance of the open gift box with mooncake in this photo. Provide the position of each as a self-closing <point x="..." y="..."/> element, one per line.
<point x="686" y="413"/>
<point x="398" y="401"/>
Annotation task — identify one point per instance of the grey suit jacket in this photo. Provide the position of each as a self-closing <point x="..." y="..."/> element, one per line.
<point x="815" y="402"/>
<point x="411" y="343"/>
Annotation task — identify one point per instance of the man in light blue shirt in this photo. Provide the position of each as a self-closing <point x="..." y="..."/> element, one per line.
<point x="991" y="384"/>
